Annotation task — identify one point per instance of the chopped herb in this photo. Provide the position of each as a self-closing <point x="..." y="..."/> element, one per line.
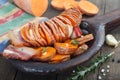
<point x="75" y="42"/>
<point x="44" y="50"/>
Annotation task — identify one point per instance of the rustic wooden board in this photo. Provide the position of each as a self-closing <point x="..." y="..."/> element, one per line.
<point x="114" y="73"/>
<point x="7" y="72"/>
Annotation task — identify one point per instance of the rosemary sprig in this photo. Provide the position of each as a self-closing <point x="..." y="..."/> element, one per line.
<point x="80" y="73"/>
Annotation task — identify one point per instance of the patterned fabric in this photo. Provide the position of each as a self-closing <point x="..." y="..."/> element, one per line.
<point x="12" y="17"/>
<point x="3" y="2"/>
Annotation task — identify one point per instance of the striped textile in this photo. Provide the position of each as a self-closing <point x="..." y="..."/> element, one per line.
<point x="3" y="2"/>
<point x="12" y="17"/>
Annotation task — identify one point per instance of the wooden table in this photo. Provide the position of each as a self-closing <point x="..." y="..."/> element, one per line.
<point x="8" y="72"/>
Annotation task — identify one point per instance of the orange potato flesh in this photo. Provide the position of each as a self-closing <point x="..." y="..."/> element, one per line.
<point x="38" y="7"/>
<point x="34" y="7"/>
<point x="71" y="4"/>
<point x="65" y="48"/>
<point x="59" y="58"/>
<point x="88" y="8"/>
<point x="59" y="4"/>
<point x="45" y="54"/>
<point x="81" y="49"/>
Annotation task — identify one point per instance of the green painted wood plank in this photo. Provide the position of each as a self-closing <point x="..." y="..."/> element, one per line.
<point x="15" y="23"/>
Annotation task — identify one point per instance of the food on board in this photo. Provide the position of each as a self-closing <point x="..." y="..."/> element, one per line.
<point x="59" y="58"/>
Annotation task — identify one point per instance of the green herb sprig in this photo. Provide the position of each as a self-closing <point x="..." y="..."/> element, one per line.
<point x="81" y="71"/>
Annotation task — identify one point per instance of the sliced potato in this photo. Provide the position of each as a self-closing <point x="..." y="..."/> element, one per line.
<point x="65" y="48"/>
<point x="81" y="49"/>
<point x="45" y="54"/>
<point x="59" y="58"/>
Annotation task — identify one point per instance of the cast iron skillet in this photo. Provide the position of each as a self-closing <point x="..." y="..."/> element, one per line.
<point x="97" y="25"/>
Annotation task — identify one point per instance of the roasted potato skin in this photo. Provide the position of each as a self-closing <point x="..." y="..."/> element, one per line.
<point x="81" y="49"/>
<point x="65" y="48"/>
<point x="45" y="54"/>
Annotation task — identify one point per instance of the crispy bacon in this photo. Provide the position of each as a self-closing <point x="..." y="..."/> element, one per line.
<point x="21" y="53"/>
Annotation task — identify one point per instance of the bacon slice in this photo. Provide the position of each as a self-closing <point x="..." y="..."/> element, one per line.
<point x="21" y="53"/>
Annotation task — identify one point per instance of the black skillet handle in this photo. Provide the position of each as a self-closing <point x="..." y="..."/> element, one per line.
<point x="111" y="20"/>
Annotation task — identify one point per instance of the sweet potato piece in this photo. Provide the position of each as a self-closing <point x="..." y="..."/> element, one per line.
<point x="24" y="36"/>
<point x="30" y="35"/>
<point x="42" y="34"/>
<point x="70" y="4"/>
<point x="49" y="36"/>
<point x="63" y="27"/>
<point x="59" y="58"/>
<point x="61" y="34"/>
<point x="54" y="32"/>
<point x="65" y="48"/>
<point x="59" y="4"/>
<point x="81" y="40"/>
<point x="74" y="15"/>
<point x="64" y="19"/>
<point x="45" y="54"/>
<point x="34" y="7"/>
<point x="81" y="49"/>
<point x="73" y="21"/>
<point x="88" y="8"/>
<point x="57" y="31"/>
<point x="37" y="36"/>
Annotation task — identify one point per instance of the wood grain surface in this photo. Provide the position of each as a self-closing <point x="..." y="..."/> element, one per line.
<point x="7" y="72"/>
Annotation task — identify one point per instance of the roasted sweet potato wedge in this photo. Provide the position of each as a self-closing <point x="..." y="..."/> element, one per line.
<point x="37" y="36"/>
<point x="59" y="4"/>
<point x="63" y="27"/>
<point x="81" y="49"/>
<point x="30" y="35"/>
<point x="45" y="54"/>
<point x="65" y="48"/>
<point x="53" y="30"/>
<point x="49" y="36"/>
<point x="24" y="33"/>
<point x="59" y="58"/>
<point x="81" y="40"/>
<point x="64" y="19"/>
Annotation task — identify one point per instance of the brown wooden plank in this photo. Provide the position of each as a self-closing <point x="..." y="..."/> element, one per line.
<point x="114" y="66"/>
<point x="7" y="72"/>
<point x="27" y="76"/>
